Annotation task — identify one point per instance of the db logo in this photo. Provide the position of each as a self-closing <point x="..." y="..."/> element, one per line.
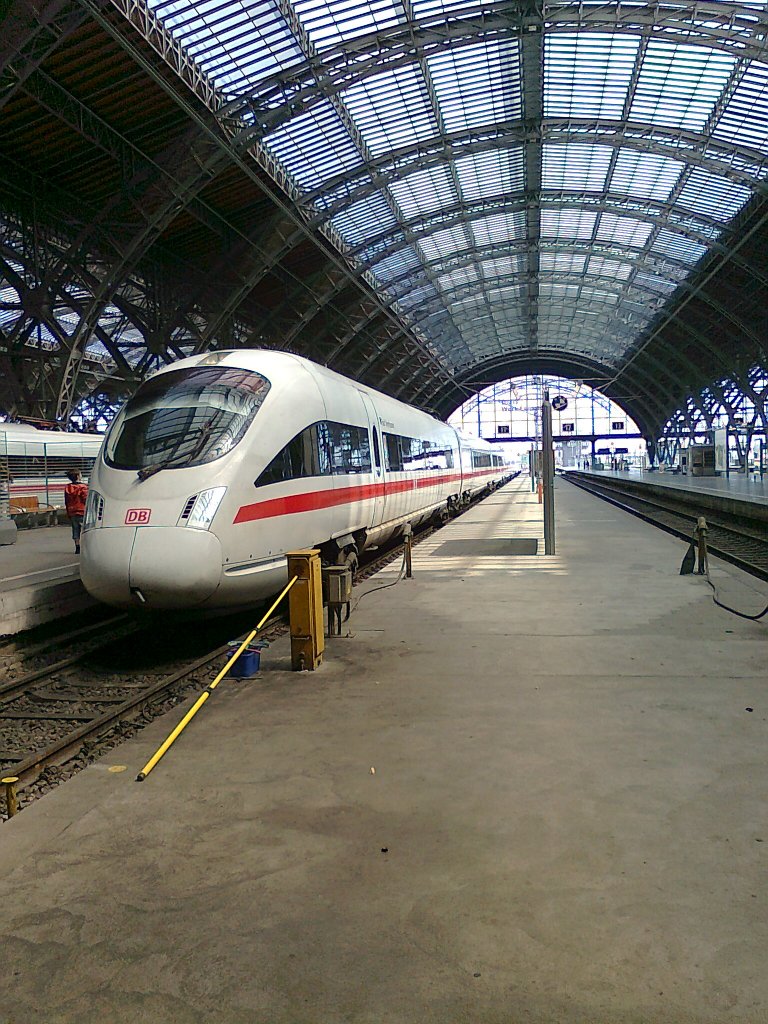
<point x="136" y="516"/>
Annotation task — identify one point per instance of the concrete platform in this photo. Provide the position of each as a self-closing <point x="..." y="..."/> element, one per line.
<point x="39" y="579"/>
<point x="744" y="488"/>
<point x="528" y="789"/>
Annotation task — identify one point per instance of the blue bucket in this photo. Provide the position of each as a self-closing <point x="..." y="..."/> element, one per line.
<point x="247" y="664"/>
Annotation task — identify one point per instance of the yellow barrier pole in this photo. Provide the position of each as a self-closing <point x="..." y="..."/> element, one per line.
<point x="161" y="750"/>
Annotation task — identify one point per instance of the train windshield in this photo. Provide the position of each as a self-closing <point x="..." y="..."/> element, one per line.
<point x="184" y="418"/>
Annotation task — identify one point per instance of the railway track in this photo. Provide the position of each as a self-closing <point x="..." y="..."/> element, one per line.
<point x="735" y="539"/>
<point x="61" y="716"/>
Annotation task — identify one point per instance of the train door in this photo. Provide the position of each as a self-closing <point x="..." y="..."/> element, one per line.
<point x="377" y="463"/>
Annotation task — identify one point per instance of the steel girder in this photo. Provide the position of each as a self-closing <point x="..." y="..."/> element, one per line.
<point x="736" y="29"/>
<point x="445" y="399"/>
<point x="164" y="44"/>
<point x="31" y="32"/>
<point x="467" y="212"/>
<point x="739" y="164"/>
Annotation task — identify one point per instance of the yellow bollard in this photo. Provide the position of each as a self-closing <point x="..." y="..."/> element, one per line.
<point x="305" y="605"/>
<point x="11" y="800"/>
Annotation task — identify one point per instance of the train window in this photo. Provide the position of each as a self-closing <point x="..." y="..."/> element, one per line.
<point x="439" y="457"/>
<point x="392" y="453"/>
<point x="184" y="418"/>
<point x="376" y="449"/>
<point x="480" y="460"/>
<point x="343" y="448"/>
<point x="297" y="459"/>
<point x="413" y="452"/>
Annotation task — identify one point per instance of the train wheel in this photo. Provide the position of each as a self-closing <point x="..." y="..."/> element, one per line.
<point x="348" y="556"/>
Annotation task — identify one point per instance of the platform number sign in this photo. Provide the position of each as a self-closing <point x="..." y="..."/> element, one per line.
<point x="569" y="428"/>
<point x="617" y="425"/>
<point x="559" y="403"/>
<point x="137" y="516"/>
<point x="503" y="428"/>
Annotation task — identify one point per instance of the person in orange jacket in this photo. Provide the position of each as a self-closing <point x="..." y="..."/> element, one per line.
<point x="75" y="494"/>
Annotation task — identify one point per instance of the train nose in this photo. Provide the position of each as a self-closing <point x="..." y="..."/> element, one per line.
<point x="153" y="567"/>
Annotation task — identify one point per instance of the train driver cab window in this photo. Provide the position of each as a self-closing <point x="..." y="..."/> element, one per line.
<point x="184" y="418"/>
<point x="297" y="459"/>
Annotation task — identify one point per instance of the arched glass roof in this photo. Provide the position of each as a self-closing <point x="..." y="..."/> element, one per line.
<point x="509" y="177"/>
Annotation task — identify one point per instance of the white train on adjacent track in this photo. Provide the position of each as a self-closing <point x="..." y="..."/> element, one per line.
<point x="222" y="463"/>
<point x="34" y="462"/>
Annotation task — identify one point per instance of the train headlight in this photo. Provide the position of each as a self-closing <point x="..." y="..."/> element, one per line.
<point x="94" y="510"/>
<point x="204" y="508"/>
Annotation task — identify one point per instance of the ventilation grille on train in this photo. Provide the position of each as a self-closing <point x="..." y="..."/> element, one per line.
<point x="188" y="507"/>
<point x="99" y="509"/>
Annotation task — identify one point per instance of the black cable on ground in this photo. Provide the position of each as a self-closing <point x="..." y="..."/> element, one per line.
<point x="383" y="586"/>
<point x="721" y="604"/>
<point x="727" y="608"/>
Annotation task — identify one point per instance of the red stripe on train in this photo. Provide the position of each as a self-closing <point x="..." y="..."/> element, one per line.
<point x="311" y="501"/>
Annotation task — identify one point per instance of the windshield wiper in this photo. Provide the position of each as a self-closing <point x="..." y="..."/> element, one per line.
<point x="176" y="461"/>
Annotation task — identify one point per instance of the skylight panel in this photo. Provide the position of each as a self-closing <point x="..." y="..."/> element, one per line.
<point x="328" y="22"/>
<point x="314" y="147"/>
<point x="365" y="219"/>
<point x="600" y="296"/>
<point x="564" y="262"/>
<point x="506" y="295"/>
<point x="576" y="167"/>
<point x="679" y="246"/>
<point x="424" y="192"/>
<point x="714" y="196"/>
<point x="391" y="110"/>
<point x="458" y="277"/>
<point x="587" y="75"/>
<point x="375" y="250"/>
<point x="233" y="42"/>
<point x="679" y="85"/>
<point x="558" y="290"/>
<point x="501" y="267"/>
<point x="490" y="174"/>
<point x="601" y="267"/>
<point x="624" y="230"/>
<point x="645" y="175"/>
<point x="558" y="223"/>
<point x="499" y="227"/>
<point x="745" y="120"/>
<point x="443" y="243"/>
<point x="398" y="263"/>
<point x="430" y="8"/>
<point x="420" y="296"/>
<point x="654" y="283"/>
<point x="477" y="85"/>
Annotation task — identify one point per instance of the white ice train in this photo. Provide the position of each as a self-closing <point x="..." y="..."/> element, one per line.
<point x="221" y="463"/>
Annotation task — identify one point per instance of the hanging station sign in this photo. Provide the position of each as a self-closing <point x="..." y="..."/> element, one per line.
<point x="560" y="403"/>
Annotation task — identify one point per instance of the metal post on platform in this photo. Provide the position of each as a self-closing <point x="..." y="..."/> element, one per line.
<point x="11" y="800"/>
<point x="548" y="475"/>
<point x="408" y="541"/>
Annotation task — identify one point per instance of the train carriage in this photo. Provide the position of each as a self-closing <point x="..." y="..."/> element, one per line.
<point x="34" y="462"/>
<point x="221" y="463"/>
